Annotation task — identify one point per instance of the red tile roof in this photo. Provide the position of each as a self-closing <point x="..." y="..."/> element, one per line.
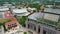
<point x="8" y="16"/>
<point x="11" y="22"/>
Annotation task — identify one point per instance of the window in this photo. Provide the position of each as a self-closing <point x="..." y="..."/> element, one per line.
<point x="28" y="25"/>
<point x="38" y="29"/>
<point x="44" y="32"/>
<point x="15" y="24"/>
<point x="12" y="25"/>
<point x="9" y="26"/>
<point x="31" y="26"/>
<point x="30" y="32"/>
<point x="35" y="28"/>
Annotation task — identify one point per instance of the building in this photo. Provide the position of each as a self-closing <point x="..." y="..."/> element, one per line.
<point x="49" y="5"/>
<point x="31" y="10"/>
<point x="58" y="7"/>
<point x="10" y="6"/>
<point x="12" y="25"/>
<point x="20" y="12"/>
<point x="1" y="30"/>
<point x="44" y="22"/>
<point x="4" y="8"/>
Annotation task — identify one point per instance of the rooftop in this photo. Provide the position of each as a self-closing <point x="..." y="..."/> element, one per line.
<point x="35" y="16"/>
<point x="51" y="10"/>
<point x="13" y="20"/>
<point x="51" y="19"/>
<point x="5" y="14"/>
<point x="19" y="10"/>
<point x="8" y="20"/>
<point x="3" y="8"/>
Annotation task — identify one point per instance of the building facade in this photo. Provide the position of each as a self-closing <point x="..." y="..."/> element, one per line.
<point x="1" y="30"/>
<point x="35" y="27"/>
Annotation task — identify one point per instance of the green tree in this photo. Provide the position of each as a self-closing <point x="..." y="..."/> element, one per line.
<point x="25" y="32"/>
<point x="37" y="6"/>
<point x="22" y="20"/>
<point x="58" y="24"/>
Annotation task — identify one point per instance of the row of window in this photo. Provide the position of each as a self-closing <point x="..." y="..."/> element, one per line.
<point x="45" y="30"/>
<point x="45" y="24"/>
<point x="33" y="27"/>
<point x="48" y="31"/>
<point x="12" y="25"/>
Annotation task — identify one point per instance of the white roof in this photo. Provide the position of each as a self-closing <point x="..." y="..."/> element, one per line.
<point x="20" y="10"/>
<point x="3" y="8"/>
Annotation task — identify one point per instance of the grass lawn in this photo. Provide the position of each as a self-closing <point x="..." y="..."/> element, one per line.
<point x="4" y="21"/>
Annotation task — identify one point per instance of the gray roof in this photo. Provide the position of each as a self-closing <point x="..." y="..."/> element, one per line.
<point x="52" y="10"/>
<point x="34" y="16"/>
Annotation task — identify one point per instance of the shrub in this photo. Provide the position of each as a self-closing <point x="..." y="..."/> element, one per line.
<point x="46" y="21"/>
<point x="58" y="24"/>
<point x="39" y="19"/>
<point x="25" y="32"/>
<point x="34" y="10"/>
